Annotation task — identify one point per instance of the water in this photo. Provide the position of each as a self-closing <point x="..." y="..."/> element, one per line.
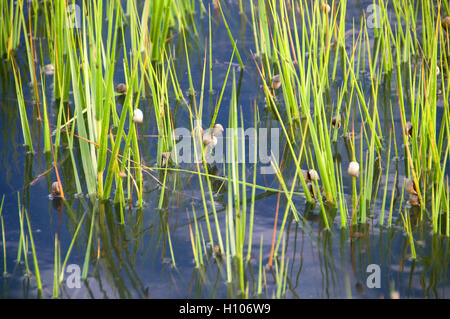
<point x="134" y="260"/>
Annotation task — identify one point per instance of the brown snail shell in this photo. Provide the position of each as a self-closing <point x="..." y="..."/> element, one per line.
<point x="121" y="88"/>
<point x="165" y="158"/>
<point x="55" y="189"/>
<point x="326" y="7"/>
<point x="410" y="187"/>
<point x="409" y="128"/>
<point x="310" y="175"/>
<point x="122" y="174"/>
<point x="414" y="200"/>
<point x="336" y="121"/>
<point x="445" y="22"/>
<point x="305" y="175"/>
<point x="276" y="82"/>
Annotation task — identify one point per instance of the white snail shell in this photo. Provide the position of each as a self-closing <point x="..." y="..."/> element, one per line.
<point x="353" y="169"/>
<point x="313" y="175"/>
<point x="49" y="69"/>
<point x="138" y="116"/>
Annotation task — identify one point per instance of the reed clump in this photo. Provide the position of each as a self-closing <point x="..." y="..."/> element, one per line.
<point x="321" y="68"/>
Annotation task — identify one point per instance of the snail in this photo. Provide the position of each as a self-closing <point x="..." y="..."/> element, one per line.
<point x="121" y="88"/>
<point x="165" y="158"/>
<point x="56" y="192"/>
<point x="313" y="175"/>
<point x="414" y="200"/>
<point x="209" y="138"/>
<point x="326" y="7"/>
<point x="276" y="82"/>
<point x="353" y="169"/>
<point x="138" y="116"/>
<point x="410" y="187"/>
<point x="445" y="22"/>
<point x="217" y="129"/>
<point x="336" y="121"/>
<point x="310" y="175"/>
<point x="122" y="174"/>
<point x="49" y="69"/>
<point x="409" y="128"/>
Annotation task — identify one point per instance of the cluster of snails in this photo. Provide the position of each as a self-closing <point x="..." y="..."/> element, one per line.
<point x="209" y="137"/>
<point x="121" y="88"/>
<point x="310" y="177"/>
